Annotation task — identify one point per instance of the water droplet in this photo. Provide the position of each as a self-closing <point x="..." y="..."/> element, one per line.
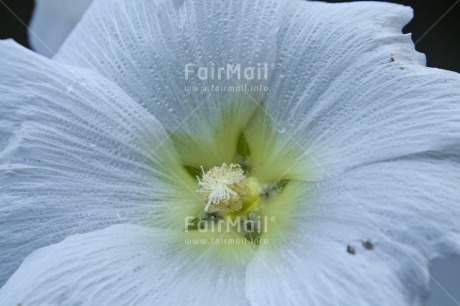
<point x="281" y="128"/>
<point x="122" y="215"/>
<point x="69" y="89"/>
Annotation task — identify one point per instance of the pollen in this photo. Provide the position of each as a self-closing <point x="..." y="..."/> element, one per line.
<point x="224" y="188"/>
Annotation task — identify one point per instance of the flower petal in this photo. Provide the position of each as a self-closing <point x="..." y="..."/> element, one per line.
<point x="365" y="238"/>
<point x="350" y="89"/>
<point x="125" y="265"/>
<point x="445" y="278"/>
<point x="52" y="22"/>
<point x="145" y="47"/>
<point x="80" y="155"/>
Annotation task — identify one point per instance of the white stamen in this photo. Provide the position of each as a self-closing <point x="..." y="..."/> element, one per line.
<point x="223" y="188"/>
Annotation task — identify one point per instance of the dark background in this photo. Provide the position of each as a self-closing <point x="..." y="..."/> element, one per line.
<point x="441" y="44"/>
<point x="14" y="15"/>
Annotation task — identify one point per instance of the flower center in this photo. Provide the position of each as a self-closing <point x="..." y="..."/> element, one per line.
<point x="224" y="188"/>
<point x="234" y="202"/>
<point x="245" y="179"/>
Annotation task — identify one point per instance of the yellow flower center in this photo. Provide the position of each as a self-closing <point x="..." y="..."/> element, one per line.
<point x="239" y="184"/>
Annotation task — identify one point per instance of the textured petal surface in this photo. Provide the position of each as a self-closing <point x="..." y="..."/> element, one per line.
<point x="79" y="155"/>
<point x="350" y="89"/>
<point x="125" y="265"/>
<point x="394" y="216"/>
<point x="347" y="90"/>
<point x="145" y="47"/>
<point x="52" y="22"/>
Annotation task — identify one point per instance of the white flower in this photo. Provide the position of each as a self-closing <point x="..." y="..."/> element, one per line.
<point x="350" y="160"/>
<point x="52" y="22"/>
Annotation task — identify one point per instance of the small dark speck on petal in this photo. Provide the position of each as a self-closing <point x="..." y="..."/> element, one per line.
<point x="368" y="245"/>
<point x="351" y="250"/>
